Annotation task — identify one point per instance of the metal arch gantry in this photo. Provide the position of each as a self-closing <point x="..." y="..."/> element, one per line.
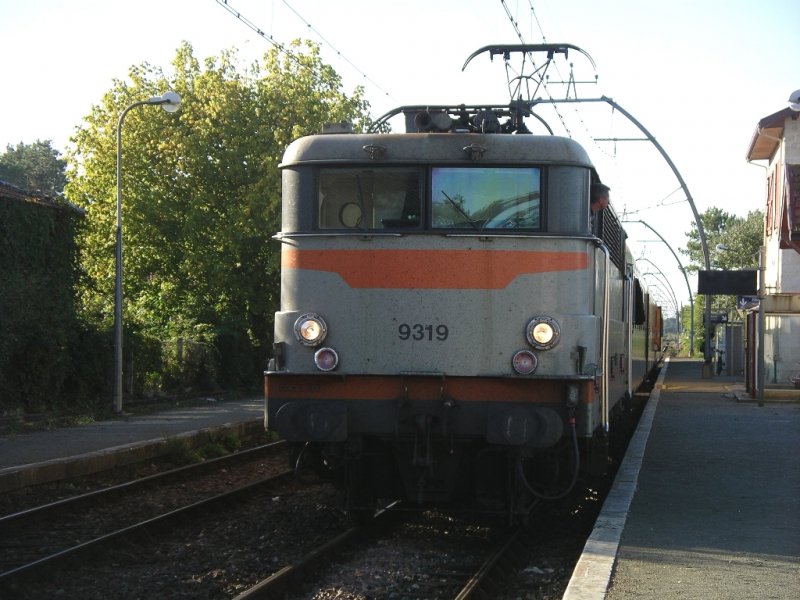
<point x="538" y="78"/>
<point x="690" y="200"/>
<point x="685" y="278"/>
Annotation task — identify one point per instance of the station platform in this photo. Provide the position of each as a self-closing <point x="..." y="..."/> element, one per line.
<point x="45" y="456"/>
<point x="706" y="503"/>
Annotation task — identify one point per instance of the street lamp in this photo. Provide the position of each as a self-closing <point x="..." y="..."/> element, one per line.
<point x="169" y="101"/>
<point x="794" y="101"/>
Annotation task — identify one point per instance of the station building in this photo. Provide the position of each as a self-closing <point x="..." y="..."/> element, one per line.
<point x="776" y="322"/>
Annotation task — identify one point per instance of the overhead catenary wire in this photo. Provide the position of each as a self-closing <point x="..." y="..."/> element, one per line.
<point x="544" y="83"/>
<point x="282" y="47"/>
<point x="268" y="37"/>
<point x="338" y="52"/>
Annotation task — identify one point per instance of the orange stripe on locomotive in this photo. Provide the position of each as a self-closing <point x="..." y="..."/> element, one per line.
<point x="431" y="269"/>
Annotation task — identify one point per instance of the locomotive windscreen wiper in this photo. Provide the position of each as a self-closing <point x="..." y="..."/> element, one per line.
<point x="361" y="203"/>
<point x="460" y="210"/>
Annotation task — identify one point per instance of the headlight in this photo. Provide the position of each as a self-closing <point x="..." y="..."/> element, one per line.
<point x="310" y="329"/>
<point x="543" y="333"/>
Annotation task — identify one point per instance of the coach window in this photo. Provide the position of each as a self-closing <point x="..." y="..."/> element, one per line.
<point x="486" y="198"/>
<point x="368" y="198"/>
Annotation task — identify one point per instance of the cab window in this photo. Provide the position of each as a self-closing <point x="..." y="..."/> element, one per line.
<point x="368" y="198"/>
<point x="486" y="198"/>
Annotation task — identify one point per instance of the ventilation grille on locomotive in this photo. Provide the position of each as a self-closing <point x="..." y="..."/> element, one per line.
<point x="613" y="237"/>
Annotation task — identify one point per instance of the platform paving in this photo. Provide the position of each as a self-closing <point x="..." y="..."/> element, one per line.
<point x="712" y="510"/>
<point x="43" y="456"/>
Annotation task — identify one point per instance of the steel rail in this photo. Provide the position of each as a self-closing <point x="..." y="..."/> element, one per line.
<point x="477" y="580"/>
<point x="68" y="553"/>
<point x="128" y="486"/>
<point x="274" y="585"/>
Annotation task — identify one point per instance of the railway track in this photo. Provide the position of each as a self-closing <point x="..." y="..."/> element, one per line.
<point x="475" y="575"/>
<point x="46" y="536"/>
<point x="484" y="561"/>
<point x="213" y="549"/>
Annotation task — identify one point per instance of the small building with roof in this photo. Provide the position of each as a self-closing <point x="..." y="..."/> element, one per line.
<point x="773" y="330"/>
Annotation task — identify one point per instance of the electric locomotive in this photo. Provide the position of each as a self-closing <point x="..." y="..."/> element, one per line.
<point x="454" y="324"/>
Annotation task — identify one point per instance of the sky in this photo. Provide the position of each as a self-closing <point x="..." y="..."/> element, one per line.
<point x="697" y="74"/>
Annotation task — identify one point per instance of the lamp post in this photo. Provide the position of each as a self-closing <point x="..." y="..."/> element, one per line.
<point x="762" y="322"/>
<point x="169" y="101"/>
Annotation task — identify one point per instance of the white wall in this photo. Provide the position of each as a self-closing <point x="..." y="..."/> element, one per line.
<point x="781" y="348"/>
<point x="782" y="332"/>
<point x="791" y="137"/>
<point x="783" y="266"/>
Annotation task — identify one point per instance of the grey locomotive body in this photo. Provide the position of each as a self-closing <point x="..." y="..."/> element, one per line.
<point x="453" y="325"/>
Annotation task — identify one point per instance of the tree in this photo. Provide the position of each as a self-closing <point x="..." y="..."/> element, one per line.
<point x="201" y="199"/>
<point x="741" y="241"/>
<point x="34" y="167"/>
<point x="732" y="241"/>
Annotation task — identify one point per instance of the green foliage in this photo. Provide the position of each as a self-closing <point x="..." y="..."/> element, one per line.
<point x="231" y="442"/>
<point x="39" y="333"/>
<point x="733" y="244"/>
<point x="201" y="201"/>
<point x="212" y="449"/>
<point x="181" y="452"/>
<point x="34" y="167"/>
<point x="739" y="240"/>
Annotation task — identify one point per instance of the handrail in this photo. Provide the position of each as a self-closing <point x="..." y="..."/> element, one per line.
<point x="604" y="408"/>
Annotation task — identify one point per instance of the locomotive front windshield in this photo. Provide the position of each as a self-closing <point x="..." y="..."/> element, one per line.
<point x="485" y="198"/>
<point x="458" y="198"/>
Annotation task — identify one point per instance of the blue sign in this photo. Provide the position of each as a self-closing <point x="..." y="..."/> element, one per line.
<point x="745" y="302"/>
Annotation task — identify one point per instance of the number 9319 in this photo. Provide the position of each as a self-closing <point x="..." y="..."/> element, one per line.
<point x="420" y="332"/>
